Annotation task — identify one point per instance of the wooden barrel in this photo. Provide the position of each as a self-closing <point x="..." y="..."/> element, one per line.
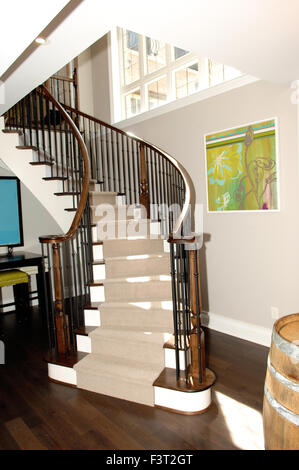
<point x="281" y="398"/>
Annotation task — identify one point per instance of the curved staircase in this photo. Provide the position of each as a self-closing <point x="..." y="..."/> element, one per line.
<point x="124" y="300"/>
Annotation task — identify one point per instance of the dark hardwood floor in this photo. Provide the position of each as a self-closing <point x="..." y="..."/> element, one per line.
<point x="38" y="414"/>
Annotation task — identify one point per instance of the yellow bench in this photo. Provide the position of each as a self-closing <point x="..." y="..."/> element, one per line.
<point x="19" y="280"/>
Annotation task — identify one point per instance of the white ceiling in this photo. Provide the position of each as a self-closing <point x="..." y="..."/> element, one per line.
<point x="21" y="23"/>
<point x="259" y="37"/>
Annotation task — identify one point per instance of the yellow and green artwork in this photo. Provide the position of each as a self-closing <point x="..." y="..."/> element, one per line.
<point x="242" y="168"/>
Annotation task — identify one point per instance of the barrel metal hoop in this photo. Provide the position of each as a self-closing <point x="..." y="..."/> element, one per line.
<point x="291" y="349"/>
<point x="282" y="379"/>
<point x="284" y="412"/>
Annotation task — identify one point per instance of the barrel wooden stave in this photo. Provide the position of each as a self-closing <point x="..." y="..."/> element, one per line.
<point x="280" y="434"/>
<point x="281" y="400"/>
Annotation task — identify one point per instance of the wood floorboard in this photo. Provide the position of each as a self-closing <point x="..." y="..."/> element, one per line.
<point x="37" y="413"/>
<point x="23" y="435"/>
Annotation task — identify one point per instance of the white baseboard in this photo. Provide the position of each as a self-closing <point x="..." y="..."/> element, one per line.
<point x="230" y="326"/>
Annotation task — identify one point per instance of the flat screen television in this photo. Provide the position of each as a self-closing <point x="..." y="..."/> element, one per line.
<point x="11" y="223"/>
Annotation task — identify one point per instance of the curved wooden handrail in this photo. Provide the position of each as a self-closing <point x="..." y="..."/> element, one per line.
<point x="189" y="191"/>
<point x="85" y="183"/>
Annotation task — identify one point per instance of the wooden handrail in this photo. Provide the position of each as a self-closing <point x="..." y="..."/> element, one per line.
<point x="61" y="77"/>
<point x="189" y="191"/>
<point x="85" y="184"/>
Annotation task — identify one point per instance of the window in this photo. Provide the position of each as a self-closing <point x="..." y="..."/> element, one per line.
<point x="153" y="73"/>
<point x="130" y="56"/>
<point x="132" y="103"/>
<point x="157" y="93"/>
<point x="187" y="80"/>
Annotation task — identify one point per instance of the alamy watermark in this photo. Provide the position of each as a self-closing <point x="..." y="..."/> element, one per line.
<point x="120" y="222"/>
<point x="2" y="353"/>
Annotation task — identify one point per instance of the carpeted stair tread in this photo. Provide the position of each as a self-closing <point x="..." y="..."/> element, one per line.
<point x="136" y="334"/>
<point x="111" y="366"/>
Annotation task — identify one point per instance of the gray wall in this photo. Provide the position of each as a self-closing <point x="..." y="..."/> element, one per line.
<point x="249" y="262"/>
<point x="93" y="80"/>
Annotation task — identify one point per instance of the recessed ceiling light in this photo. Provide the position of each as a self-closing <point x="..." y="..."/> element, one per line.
<point x="40" y="40"/>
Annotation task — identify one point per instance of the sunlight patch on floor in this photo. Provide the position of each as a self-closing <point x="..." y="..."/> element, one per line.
<point x="245" y="424"/>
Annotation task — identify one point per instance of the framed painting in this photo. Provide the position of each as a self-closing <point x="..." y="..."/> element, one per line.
<point x="242" y="171"/>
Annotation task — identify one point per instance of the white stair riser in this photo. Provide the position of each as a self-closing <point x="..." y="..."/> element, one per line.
<point x="184" y="402"/>
<point x="83" y="343"/>
<point x="97" y="252"/>
<point x="99" y="271"/>
<point x="170" y="358"/>
<point x="92" y="317"/>
<point x="62" y="374"/>
<point x="97" y="294"/>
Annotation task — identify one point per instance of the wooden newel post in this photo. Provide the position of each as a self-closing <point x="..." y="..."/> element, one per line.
<point x="144" y="195"/>
<point x="197" y="342"/>
<point x="61" y="320"/>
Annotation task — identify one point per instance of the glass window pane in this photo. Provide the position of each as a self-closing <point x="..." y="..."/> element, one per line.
<point x="157" y="93"/>
<point x="216" y="73"/>
<point x="155" y="55"/>
<point x="132" y="103"/>
<point x="178" y="52"/>
<point x="130" y="56"/>
<point x="187" y="80"/>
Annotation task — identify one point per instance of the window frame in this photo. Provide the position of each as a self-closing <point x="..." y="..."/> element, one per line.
<point x="120" y="89"/>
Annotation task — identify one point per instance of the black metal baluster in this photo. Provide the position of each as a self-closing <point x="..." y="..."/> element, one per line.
<point x="124" y="167"/>
<point x="51" y="303"/>
<point x="112" y="156"/>
<point x="175" y="310"/>
<point x="104" y="167"/>
<point x="42" y="126"/>
<point x="119" y="163"/>
<point x="76" y="305"/>
<point x="95" y="139"/>
<point x="35" y="114"/>
<point x="46" y="299"/>
<point x="69" y="279"/>
<point x="93" y="163"/>
<point x="130" y="186"/>
<point x="133" y="172"/>
<point x="184" y="310"/>
<point x="198" y="325"/>
<point x="64" y="315"/>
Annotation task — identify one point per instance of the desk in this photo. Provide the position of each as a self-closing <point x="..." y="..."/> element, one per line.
<point x="21" y="259"/>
